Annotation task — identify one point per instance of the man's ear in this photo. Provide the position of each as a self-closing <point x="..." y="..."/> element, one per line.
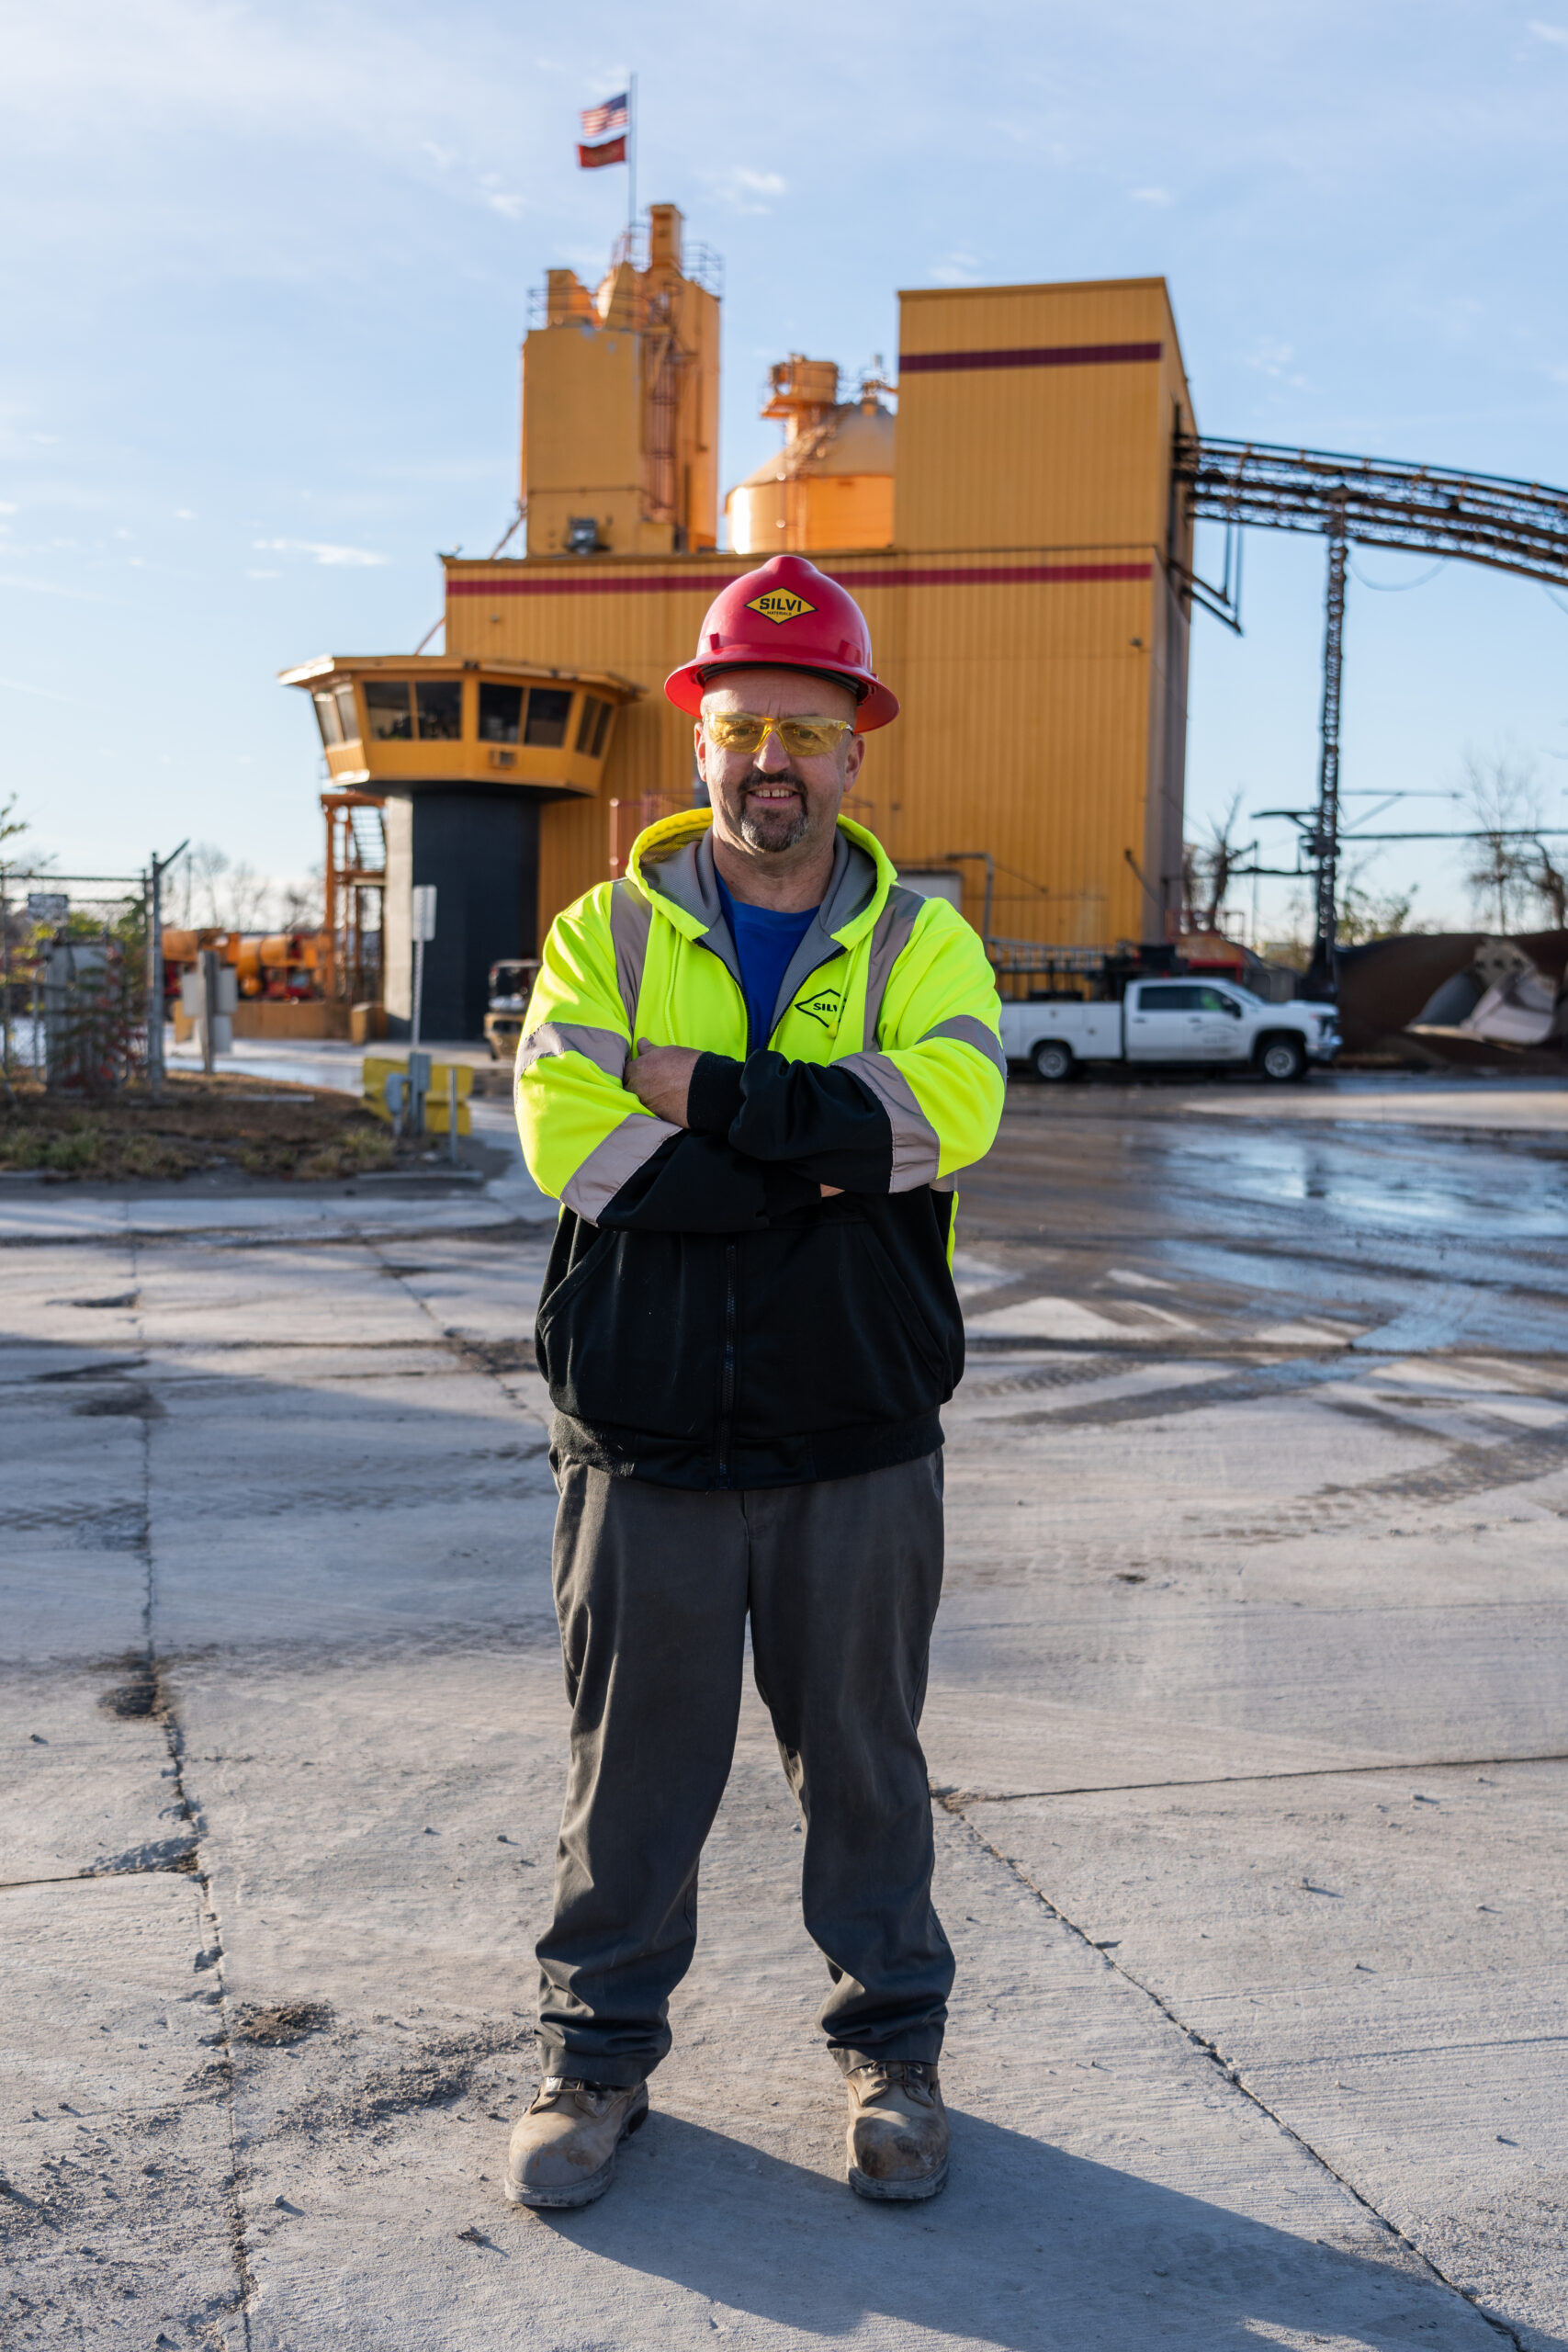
<point x="700" y="741"/>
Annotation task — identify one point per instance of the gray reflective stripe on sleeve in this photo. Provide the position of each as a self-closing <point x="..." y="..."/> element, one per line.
<point x="630" y="915"/>
<point x="890" y="936"/>
<point x="613" y="1163"/>
<point x="970" y="1032"/>
<point x="605" y="1048"/>
<point x="916" y="1149"/>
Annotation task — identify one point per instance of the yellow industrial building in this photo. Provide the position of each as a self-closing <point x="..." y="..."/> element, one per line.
<point x="1014" y="534"/>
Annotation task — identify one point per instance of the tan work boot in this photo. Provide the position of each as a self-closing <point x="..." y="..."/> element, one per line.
<point x="563" y="2148"/>
<point x="898" y="2131"/>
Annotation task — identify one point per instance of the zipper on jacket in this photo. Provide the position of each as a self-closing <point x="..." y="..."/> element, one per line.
<point x="726" y="1386"/>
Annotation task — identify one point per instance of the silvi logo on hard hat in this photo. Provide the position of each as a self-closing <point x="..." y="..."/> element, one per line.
<point x="780" y="604"/>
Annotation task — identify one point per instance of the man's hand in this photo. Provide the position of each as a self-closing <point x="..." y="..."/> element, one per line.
<point x="661" y="1078"/>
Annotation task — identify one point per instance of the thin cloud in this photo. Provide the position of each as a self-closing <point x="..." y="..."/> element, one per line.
<point x="747" y="191"/>
<point x="1271" y="358"/>
<point x="321" y="551"/>
<point x="956" y="269"/>
<point x="1151" y="196"/>
<point x="1557" y="34"/>
<point x="47" y="588"/>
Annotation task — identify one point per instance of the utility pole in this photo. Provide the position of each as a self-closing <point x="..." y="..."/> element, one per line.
<point x="152" y="888"/>
<point x="5" y="983"/>
<point x="422" y="924"/>
<point x="1322" y="843"/>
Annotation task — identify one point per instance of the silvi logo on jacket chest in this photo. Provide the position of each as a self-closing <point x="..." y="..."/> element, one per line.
<point x="825" y="1006"/>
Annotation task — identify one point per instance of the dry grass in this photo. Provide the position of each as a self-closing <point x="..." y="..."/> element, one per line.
<point x="202" y="1125"/>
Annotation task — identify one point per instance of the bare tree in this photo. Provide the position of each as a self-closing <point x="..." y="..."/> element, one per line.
<point x="298" y="905"/>
<point x="245" y="898"/>
<point x="1503" y="800"/>
<point x="1208" y="869"/>
<point x="206" y="865"/>
<point x="1549" y="883"/>
<point x="11" y="825"/>
<point x="1371" y="914"/>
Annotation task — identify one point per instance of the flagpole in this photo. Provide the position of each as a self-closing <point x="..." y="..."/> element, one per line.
<point x="631" y="166"/>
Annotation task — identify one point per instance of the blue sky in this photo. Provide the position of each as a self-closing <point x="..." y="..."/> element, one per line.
<point x="266" y="268"/>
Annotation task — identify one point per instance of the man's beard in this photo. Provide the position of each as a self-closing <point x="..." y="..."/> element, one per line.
<point x="773" y="829"/>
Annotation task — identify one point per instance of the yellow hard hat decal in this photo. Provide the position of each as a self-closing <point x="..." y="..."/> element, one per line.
<point x="780" y="604"/>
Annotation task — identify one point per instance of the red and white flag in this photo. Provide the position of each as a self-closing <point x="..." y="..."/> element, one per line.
<point x="611" y="115"/>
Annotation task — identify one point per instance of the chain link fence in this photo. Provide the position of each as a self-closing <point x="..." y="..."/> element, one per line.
<point x="76" y="979"/>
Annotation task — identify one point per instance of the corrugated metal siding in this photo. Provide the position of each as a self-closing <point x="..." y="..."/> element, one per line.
<point x="1058" y="436"/>
<point x="1025" y="727"/>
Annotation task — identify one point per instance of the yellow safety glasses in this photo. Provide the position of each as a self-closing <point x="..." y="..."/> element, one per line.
<point x="803" y="739"/>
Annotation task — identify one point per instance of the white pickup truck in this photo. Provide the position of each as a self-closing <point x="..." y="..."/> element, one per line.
<point x="1208" y="1024"/>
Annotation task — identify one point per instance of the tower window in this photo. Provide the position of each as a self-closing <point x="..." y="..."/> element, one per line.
<point x="327" y="719"/>
<point x="347" y="717"/>
<point x="500" y="713"/>
<point x="550" y="707"/>
<point x="389" y="708"/>
<point x="440" y="705"/>
<point x="592" y="707"/>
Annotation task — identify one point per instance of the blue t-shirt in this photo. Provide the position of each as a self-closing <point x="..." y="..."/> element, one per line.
<point x="765" y="942"/>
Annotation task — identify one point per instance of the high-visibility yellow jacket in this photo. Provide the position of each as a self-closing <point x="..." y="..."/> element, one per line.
<point x="707" y="1318"/>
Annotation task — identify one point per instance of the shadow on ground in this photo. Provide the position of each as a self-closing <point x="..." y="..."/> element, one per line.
<point x="1029" y="2246"/>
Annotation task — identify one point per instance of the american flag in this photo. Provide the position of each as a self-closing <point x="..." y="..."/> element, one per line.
<point x="611" y="115"/>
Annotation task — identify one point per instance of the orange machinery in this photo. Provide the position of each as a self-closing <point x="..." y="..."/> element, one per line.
<point x="284" y="967"/>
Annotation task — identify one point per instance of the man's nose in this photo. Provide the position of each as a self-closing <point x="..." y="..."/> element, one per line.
<point x="773" y="758"/>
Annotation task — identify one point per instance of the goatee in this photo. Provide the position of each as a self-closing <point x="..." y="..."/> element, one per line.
<point x="771" y="828"/>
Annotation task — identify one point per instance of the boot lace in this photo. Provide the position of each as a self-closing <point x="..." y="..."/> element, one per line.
<point x="910" y="2075"/>
<point x="593" y="2097"/>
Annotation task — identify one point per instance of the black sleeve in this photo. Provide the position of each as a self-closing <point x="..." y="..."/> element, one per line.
<point x="697" y="1183"/>
<point x="810" y="1117"/>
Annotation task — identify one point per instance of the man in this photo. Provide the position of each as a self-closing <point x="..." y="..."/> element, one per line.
<point x="752" y="1069"/>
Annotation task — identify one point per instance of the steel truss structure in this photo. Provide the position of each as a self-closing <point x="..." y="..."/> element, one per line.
<point x="1517" y="526"/>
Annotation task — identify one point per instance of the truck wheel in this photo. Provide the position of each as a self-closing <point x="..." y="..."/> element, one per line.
<point x="1053" y="1060"/>
<point x="1282" y="1059"/>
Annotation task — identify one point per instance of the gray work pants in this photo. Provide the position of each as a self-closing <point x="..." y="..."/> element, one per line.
<point x="653" y="1585"/>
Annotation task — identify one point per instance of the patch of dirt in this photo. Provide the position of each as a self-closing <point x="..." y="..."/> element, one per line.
<point x="130" y="1700"/>
<point x="436" y="2074"/>
<point x="290" y="2021"/>
<point x="203" y="1126"/>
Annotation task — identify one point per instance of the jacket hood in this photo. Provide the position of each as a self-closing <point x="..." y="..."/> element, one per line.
<point x="671" y="865"/>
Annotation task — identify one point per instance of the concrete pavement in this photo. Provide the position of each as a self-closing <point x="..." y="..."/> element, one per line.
<point x="1246" y="1731"/>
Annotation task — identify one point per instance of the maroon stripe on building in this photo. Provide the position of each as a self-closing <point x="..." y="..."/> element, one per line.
<point x="606" y="584"/>
<point x="602" y="584"/>
<point x="991" y="575"/>
<point x="1040" y="354"/>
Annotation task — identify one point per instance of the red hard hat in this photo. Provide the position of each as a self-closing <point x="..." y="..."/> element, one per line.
<point x="787" y="616"/>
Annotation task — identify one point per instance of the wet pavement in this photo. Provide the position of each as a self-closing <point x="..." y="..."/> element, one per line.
<point x="1253" y="1638"/>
